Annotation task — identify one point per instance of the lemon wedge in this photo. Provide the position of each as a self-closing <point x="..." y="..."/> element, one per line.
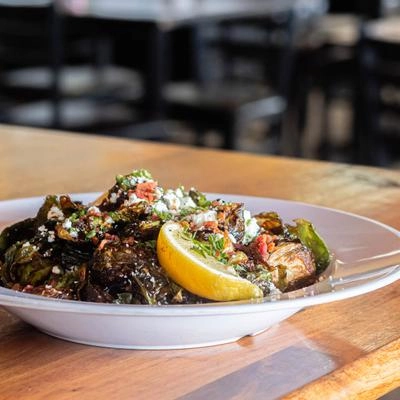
<point x="202" y="275"/>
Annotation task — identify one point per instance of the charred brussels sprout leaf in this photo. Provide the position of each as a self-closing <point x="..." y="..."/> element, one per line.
<point x="149" y="229"/>
<point x="74" y="254"/>
<point x="24" y="265"/>
<point x="308" y="236"/>
<point x="73" y="280"/>
<point x="20" y="231"/>
<point x="124" y="298"/>
<point x="69" y="207"/>
<point x="270" y="221"/>
<point x="41" y="217"/>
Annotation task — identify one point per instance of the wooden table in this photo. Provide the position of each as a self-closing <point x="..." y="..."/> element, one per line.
<point x="343" y="350"/>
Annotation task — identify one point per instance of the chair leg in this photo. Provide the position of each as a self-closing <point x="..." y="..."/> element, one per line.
<point x="298" y="110"/>
<point x="57" y="58"/>
<point x="324" y="150"/>
<point x="158" y="71"/>
<point x="231" y="132"/>
<point x="277" y="145"/>
<point x="199" y="137"/>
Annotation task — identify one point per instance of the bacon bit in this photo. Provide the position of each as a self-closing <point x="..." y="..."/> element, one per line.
<point x="211" y="226"/>
<point x="261" y="245"/>
<point x="102" y="244"/>
<point x="264" y="244"/>
<point x="145" y="190"/>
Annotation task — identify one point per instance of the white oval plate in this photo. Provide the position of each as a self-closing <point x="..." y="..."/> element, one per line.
<point x="366" y="256"/>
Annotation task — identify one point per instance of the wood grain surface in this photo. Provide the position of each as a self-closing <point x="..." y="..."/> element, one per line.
<point x="342" y="350"/>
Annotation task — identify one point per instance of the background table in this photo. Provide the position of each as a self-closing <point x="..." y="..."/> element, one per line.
<point x="157" y="18"/>
<point x="171" y="13"/>
<point x="343" y="350"/>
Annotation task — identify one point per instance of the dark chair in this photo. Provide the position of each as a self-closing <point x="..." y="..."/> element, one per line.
<point x="378" y="103"/>
<point x="228" y="102"/>
<point x="367" y="9"/>
<point x="25" y="41"/>
<point x="56" y="72"/>
<point x="326" y="74"/>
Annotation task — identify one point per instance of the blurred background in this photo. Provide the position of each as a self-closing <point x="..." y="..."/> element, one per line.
<point x="316" y="79"/>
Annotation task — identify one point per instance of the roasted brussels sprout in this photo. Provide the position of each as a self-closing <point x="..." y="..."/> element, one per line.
<point x="307" y="234"/>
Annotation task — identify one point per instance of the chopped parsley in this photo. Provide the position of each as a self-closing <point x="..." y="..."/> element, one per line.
<point x="163" y="215"/>
<point x="213" y="247"/>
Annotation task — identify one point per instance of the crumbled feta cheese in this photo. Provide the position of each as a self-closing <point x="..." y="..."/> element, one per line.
<point x="67" y="224"/>
<point x="56" y="270"/>
<point x="93" y="210"/>
<point x="187" y="202"/>
<point x="132" y="199"/>
<point x="47" y="253"/>
<point x="158" y="192"/>
<point x="160" y="207"/>
<point x="113" y="198"/>
<point x="179" y="192"/>
<point x="171" y="200"/>
<point x="206" y="216"/>
<point x="55" y="214"/>
<point x="52" y="237"/>
<point x="251" y="228"/>
<point x="232" y="238"/>
<point x="134" y="180"/>
<point x="42" y="230"/>
<point x="108" y="220"/>
<point x="73" y="233"/>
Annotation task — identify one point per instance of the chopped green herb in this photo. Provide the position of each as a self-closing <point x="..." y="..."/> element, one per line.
<point x="199" y="198"/>
<point x="91" y="234"/>
<point x="163" y="215"/>
<point x="213" y="247"/>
